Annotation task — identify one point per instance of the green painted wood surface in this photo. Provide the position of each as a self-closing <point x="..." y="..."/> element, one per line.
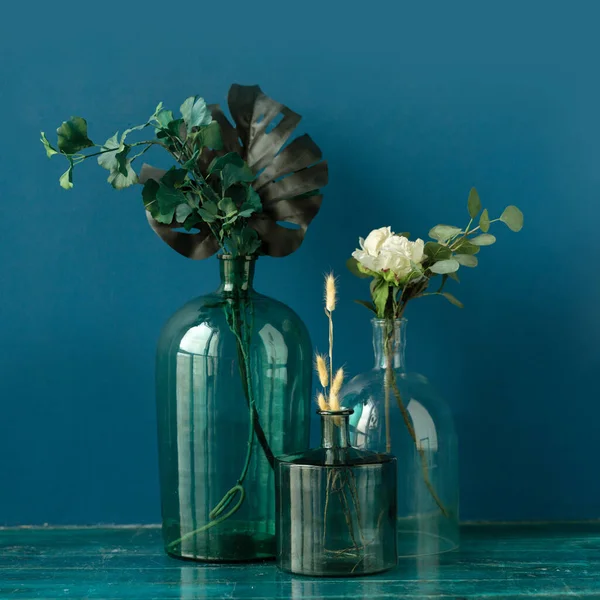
<point x="495" y="561"/>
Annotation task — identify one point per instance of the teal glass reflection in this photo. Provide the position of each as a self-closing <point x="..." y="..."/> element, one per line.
<point x="404" y="414"/>
<point x="216" y="454"/>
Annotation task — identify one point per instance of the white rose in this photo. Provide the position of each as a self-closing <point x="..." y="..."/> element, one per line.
<point x="375" y="240"/>
<point x="384" y="252"/>
<point x="400" y="256"/>
<point x="402" y="246"/>
<point x="392" y="262"/>
<point x="366" y="260"/>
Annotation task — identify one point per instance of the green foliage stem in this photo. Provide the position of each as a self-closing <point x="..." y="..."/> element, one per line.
<point x="224" y="199"/>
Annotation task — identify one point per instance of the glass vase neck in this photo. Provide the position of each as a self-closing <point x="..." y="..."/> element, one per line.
<point x="237" y="274"/>
<point x="335" y="429"/>
<point x="389" y="343"/>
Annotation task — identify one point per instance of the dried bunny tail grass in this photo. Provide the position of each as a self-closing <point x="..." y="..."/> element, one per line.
<point x="321" y="366"/>
<point x="322" y="402"/>
<point x="334" y="401"/>
<point x="337" y="383"/>
<point x="330" y="292"/>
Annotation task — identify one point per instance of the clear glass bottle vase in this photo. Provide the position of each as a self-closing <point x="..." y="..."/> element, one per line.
<point x="400" y="412"/>
<point x="233" y="381"/>
<point x="336" y="506"/>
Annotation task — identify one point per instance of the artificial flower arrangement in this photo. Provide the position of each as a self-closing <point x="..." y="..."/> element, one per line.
<point x="229" y="189"/>
<point x="402" y="270"/>
<point x="231" y="184"/>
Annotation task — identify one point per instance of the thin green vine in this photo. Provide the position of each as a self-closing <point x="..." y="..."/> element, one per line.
<point x="236" y="324"/>
<point x="390" y="377"/>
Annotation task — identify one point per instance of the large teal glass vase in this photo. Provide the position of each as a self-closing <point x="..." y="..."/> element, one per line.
<point x="233" y="391"/>
<point x="401" y="412"/>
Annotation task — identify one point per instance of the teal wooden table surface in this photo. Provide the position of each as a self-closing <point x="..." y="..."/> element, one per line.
<point x="495" y="561"/>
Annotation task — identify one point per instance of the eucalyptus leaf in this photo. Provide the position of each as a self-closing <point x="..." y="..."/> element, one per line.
<point x="454" y="276"/>
<point x="453" y="300"/>
<point x="435" y="251"/>
<point x="72" y="136"/>
<point x="195" y="113"/>
<point x="466" y="247"/>
<point x="466" y="260"/>
<point x="50" y="151"/>
<point x="485" y="239"/>
<point x="405" y="234"/>
<point x="352" y="265"/>
<point x="474" y="203"/>
<point x="443" y="233"/>
<point x="443" y="283"/>
<point x="445" y="266"/>
<point x="513" y="218"/>
<point x="484" y="221"/>
<point x="367" y="304"/>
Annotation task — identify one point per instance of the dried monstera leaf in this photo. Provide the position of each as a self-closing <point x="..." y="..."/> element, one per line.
<point x="289" y="177"/>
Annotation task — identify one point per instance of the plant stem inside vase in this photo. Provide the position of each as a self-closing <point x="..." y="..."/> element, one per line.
<point x="391" y="382"/>
<point x="238" y="309"/>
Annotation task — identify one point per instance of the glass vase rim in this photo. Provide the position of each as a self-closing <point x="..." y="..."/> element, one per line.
<point x="343" y="412"/>
<point x="378" y="321"/>
<point x="230" y="257"/>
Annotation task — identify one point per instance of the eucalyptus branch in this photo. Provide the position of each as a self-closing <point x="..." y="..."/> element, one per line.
<point x="456" y="243"/>
<point x="467" y="227"/>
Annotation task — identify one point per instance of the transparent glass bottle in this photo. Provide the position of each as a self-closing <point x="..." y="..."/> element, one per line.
<point x="400" y="412"/>
<point x="216" y="454"/>
<point x="336" y="506"/>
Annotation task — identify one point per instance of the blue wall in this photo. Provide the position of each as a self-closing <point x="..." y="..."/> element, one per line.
<point x="412" y="103"/>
